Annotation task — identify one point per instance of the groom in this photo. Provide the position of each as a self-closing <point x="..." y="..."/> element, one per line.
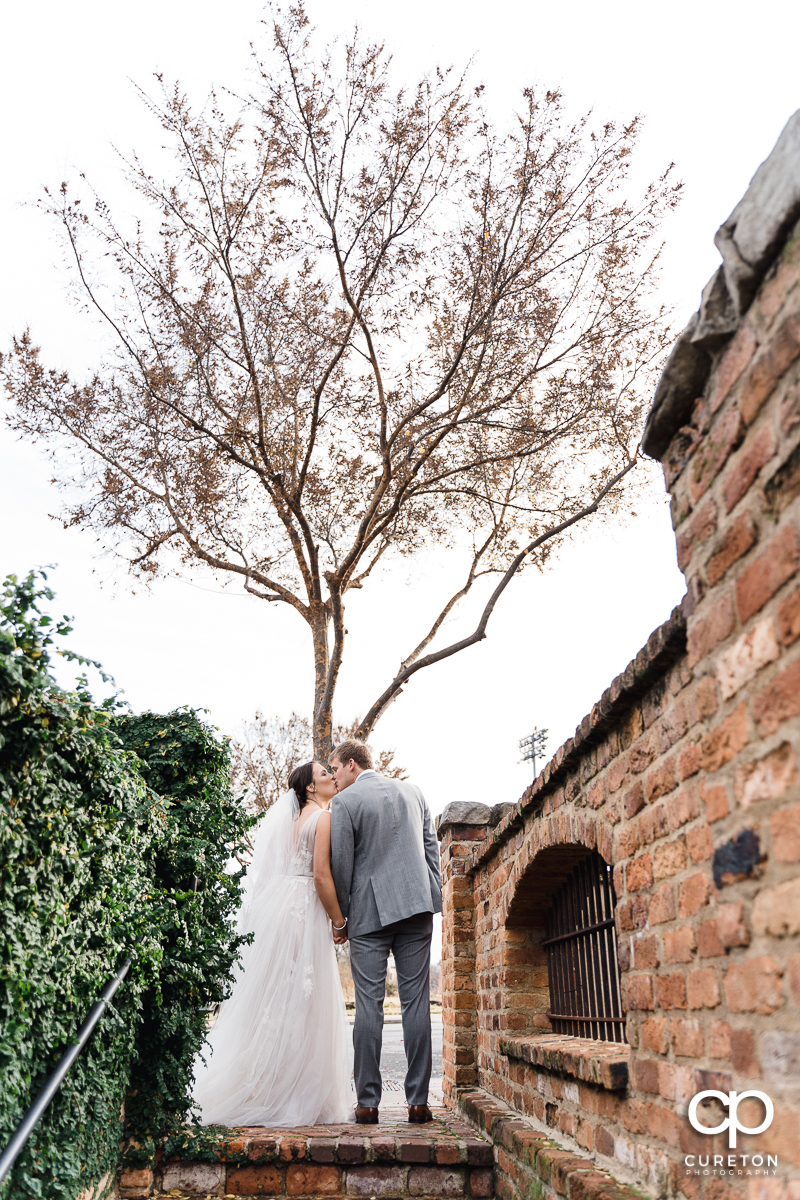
<point x="385" y="864"/>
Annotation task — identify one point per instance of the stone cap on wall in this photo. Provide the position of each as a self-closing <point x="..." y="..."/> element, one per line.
<point x="470" y="812"/>
<point x="749" y="242"/>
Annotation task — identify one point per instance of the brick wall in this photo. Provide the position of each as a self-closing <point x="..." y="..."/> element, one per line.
<point x="684" y="778"/>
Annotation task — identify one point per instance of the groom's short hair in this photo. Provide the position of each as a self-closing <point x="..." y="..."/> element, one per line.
<point x="350" y="748"/>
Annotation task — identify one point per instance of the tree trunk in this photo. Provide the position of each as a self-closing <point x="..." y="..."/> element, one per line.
<point x="323" y="722"/>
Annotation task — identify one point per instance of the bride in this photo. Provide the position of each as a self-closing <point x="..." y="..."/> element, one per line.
<point x="280" y="1052"/>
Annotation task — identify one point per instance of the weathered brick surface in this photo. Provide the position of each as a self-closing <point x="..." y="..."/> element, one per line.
<point x="444" y="1158"/>
<point x="684" y="778"/>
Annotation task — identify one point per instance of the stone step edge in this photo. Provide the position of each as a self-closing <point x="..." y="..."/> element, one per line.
<point x="309" y="1181"/>
<point x="568" y="1174"/>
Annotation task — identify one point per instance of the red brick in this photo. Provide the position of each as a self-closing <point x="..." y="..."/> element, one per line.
<point x="663" y="1123"/>
<point x="682" y="808"/>
<point x="702" y="989"/>
<point x="632" y="913"/>
<point x="654" y="1034"/>
<point x="743" y="470"/>
<point x="687" y="1037"/>
<point x="596" y="795"/>
<point x="645" y="953"/>
<point x="669" y="859"/>
<point x="789" y="618"/>
<point x="660" y="781"/>
<point x="639" y="873"/>
<point x="633" y="1115"/>
<point x="641" y="756"/>
<point x="719" y="1039"/>
<point x="754" y="985"/>
<point x="693" y="894"/>
<point x="748" y="655"/>
<point x="767" y="778"/>
<point x="628" y="841"/>
<point x="785" y="829"/>
<point x="713" y="452"/>
<point x="604" y="1142"/>
<point x="262" y="1180"/>
<point x="617" y="773"/>
<point x="653" y="824"/>
<point x="132" y="1177"/>
<point x="743" y="1053"/>
<point x="779" y="701"/>
<point x="374" y="1181"/>
<point x="645" y="1075"/>
<point x="706" y="634"/>
<point x="708" y="942"/>
<point x="733" y="545"/>
<point x="695" y="532"/>
<point x="662" y="905"/>
<point x="433" y="1181"/>
<point x="764" y="372"/>
<point x="639" y="990"/>
<point x="671" y="991"/>
<point x="734" y="360"/>
<point x="731" y="929"/>
<point x="705" y="698"/>
<point x="633" y="800"/>
<point x="716" y="801"/>
<point x="700" y="843"/>
<point x="481" y="1182"/>
<point x="767" y="573"/>
<point x="446" y="1153"/>
<point x="679" y="944"/>
<point x="689" y="761"/>
<point x="725" y="741"/>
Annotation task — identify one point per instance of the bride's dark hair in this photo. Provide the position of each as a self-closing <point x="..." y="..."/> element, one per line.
<point x="300" y="779"/>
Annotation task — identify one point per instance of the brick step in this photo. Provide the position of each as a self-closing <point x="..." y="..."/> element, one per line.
<point x="443" y="1158"/>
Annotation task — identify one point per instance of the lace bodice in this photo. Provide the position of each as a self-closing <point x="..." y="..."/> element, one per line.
<point x="302" y="860"/>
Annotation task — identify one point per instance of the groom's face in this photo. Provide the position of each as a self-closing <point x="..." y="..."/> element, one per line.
<point x="342" y="773"/>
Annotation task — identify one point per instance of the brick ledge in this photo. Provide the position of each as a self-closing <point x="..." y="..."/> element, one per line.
<point x="605" y="1064"/>
<point x="539" y="1157"/>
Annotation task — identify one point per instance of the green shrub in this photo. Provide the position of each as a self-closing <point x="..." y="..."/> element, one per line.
<point x="94" y="867"/>
<point x="197" y="899"/>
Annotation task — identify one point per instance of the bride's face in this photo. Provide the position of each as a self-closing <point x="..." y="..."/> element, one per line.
<point x="324" y="787"/>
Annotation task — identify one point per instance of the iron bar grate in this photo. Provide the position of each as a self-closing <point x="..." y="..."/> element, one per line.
<point x="582" y="963"/>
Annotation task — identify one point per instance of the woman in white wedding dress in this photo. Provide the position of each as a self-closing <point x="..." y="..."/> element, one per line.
<point x="281" y="1051"/>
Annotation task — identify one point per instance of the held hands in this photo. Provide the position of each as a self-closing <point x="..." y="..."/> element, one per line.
<point x="339" y="932"/>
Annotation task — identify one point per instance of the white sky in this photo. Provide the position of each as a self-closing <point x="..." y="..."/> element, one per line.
<point x="715" y="81"/>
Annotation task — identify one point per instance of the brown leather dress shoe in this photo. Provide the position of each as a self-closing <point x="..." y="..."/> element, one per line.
<point x="366" y="1116"/>
<point x="419" y="1114"/>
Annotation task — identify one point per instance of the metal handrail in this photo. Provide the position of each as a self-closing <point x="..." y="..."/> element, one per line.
<point x="40" y="1104"/>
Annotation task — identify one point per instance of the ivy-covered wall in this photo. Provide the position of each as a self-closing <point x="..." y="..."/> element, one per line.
<point x="115" y="832"/>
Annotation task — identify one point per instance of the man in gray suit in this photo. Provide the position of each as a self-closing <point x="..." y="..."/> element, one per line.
<point x="385" y="864"/>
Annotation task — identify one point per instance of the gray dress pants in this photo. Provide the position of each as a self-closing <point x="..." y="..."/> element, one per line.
<point x="410" y="943"/>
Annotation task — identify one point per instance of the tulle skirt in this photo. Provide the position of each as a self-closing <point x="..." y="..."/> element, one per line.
<point x="281" y="1050"/>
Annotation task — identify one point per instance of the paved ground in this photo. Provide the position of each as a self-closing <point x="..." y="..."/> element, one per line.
<point x="393" y="1062"/>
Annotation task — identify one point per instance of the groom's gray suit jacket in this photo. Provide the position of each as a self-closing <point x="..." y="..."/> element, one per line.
<point x="384" y="853"/>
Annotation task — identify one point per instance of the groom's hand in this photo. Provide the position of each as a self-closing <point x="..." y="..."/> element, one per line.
<point x="339" y="939"/>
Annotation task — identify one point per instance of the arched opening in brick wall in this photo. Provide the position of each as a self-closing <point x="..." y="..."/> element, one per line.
<point x="560" y="932"/>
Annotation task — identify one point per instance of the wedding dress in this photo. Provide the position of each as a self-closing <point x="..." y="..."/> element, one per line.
<point x="281" y="1051"/>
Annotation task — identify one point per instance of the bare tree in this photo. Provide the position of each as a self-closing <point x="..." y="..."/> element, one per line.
<point x="269" y="748"/>
<point x="353" y="323"/>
